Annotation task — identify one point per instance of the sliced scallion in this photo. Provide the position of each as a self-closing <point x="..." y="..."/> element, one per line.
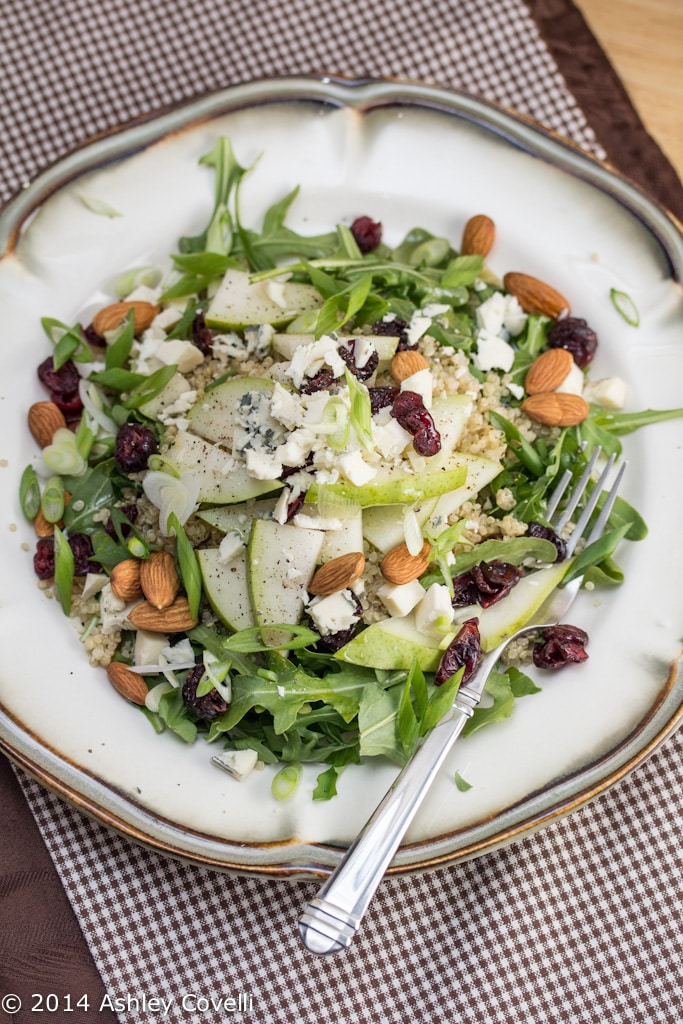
<point x="286" y="781"/>
<point x="625" y="307"/>
<point x="188" y="564"/>
<point x="52" y="501"/>
<point x="29" y="493"/>
<point x="63" y="456"/>
<point x="64" y="570"/>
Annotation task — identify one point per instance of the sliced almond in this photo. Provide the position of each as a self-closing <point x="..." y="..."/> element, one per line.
<point x="44" y="418"/>
<point x="338" y="574"/>
<point x="556" y="408"/>
<point x="535" y="296"/>
<point x="548" y="371"/>
<point x="478" y="236"/>
<point x="177" y="618"/>
<point x="125" y="580"/>
<point x="129" y="684"/>
<point x="110" y="317"/>
<point x="406" y="363"/>
<point x="159" y="579"/>
<point x="399" y="566"/>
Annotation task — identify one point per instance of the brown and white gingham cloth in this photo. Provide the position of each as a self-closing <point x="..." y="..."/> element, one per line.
<point x="579" y="924"/>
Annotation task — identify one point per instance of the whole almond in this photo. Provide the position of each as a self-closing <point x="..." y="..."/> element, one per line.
<point x="177" y="618"/>
<point x="44" y="418"/>
<point x="112" y="316"/>
<point x="478" y="236"/>
<point x="399" y="566"/>
<point x="159" y="579"/>
<point x="125" y="580"/>
<point x="548" y="371"/>
<point x="535" y="296"/>
<point x="129" y="684"/>
<point x="405" y="364"/>
<point x="338" y="574"/>
<point x="556" y="408"/>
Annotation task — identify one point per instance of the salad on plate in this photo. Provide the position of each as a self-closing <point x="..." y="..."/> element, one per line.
<point x="291" y="486"/>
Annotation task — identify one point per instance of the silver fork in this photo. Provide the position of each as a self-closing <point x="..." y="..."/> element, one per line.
<point x="330" y="920"/>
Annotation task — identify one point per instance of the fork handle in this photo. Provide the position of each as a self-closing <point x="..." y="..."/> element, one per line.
<point x="329" y="922"/>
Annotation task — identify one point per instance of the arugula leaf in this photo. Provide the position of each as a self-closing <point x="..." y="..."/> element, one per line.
<point x="462" y="784"/>
<point x="149" y="387"/>
<point x="463" y="270"/>
<point x="620" y="423"/>
<point x="378" y="723"/>
<point x="174" y="714"/>
<point x="117" y="353"/>
<point x="217" y="236"/>
<point x="326" y="786"/>
<point x="594" y="553"/>
<point x="499" y="688"/>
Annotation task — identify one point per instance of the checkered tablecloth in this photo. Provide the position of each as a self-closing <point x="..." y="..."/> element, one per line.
<point x="580" y="923"/>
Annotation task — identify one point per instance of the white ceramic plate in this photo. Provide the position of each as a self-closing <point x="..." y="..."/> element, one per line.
<point x="406" y="155"/>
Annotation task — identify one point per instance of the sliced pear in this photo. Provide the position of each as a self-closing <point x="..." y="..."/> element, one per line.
<point x="239" y="302"/>
<point x="227" y="588"/>
<point x="383" y="524"/>
<point x="218" y="411"/>
<point x="281" y="561"/>
<point x="222" y="479"/>
<point x="394" y="642"/>
<point x="500" y="620"/>
<point x="348" y="538"/>
<point x="238" y="517"/>
<point x="287" y="344"/>
<point x="394" y="485"/>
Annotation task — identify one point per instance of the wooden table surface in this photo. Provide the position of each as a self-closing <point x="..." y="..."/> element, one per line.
<point x="644" y="41"/>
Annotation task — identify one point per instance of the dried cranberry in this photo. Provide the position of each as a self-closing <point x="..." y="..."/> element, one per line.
<point x="547" y="533"/>
<point x="288" y="471"/>
<point x="322" y="381"/>
<point x="130" y="512"/>
<point x="395" y="328"/>
<point x="561" y="645"/>
<point x="348" y="354"/>
<point x="577" y="337"/>
<point x="92" y="337"/>
<point x="465" y="650"/>
<point x="295" y="505"/>
<point x="485" y="583"/>
<point x="81" y="545"/>
<point x="494" y="580"/>
<point x="333" y="642"/>
<point x="206" y="707"/>
<point x="382" y="397"/>
<point x="134" y="445"/>
<point x="62" y="385"/>
<point x="427" y="442"/>
<point x="367" y="232"/>
<point x="44" y="558"/>
<point x="202" y="336"/>
<point x="409" y="409"/>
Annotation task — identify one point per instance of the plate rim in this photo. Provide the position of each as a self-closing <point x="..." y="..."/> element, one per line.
<point x="315" y="859"/>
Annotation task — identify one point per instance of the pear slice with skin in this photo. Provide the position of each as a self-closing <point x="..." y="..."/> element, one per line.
<point x="227" y="588"/>
<point x="281" y="561"/>
<point x="191" y="455"/>
<point x="239" y="302"/>
<point x="216" y="414"/>
<point x="395" y="642"/>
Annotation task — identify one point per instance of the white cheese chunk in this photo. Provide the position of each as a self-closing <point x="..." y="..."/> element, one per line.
<point x="515" y="318"/>
<point x="167" y="318"/>
<point x="276" y="293"/>
<point x="334" y="613"/>
<point x="434" y="613"/>
<point x="179" y="654"/>
<point x="573" y="382"/>
<point x="183" y="353"/>
<point x="419" y="325"/>
<point x="238" y="763"/>
<point x="230" y="546"/>
<point x="391" y="439"/>
<point x="355" y="468"/>
<point x="401" y="598"/>
<point x="491" y="313"/>
<point x="148" y="647"/>
<point x="94" y="581"/>
<point x="364" y="350"/>
<point x="262" y="466"/>
<point x="422" y="383"/>
<point x="608" y="392"/>
<point x="286" y="407"/>
<point x="493" y="353"/>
